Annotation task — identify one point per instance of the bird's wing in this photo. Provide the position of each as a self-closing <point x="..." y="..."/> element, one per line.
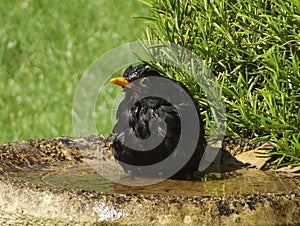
<point x="154" y="116"/>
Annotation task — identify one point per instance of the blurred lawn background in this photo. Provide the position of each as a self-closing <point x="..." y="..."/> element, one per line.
<point x="45" y="47"/>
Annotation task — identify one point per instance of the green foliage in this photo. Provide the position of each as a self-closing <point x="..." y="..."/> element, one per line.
<point x="253" y="47"/>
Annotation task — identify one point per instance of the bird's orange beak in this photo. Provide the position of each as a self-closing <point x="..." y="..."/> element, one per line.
<point x="120" y="81"/>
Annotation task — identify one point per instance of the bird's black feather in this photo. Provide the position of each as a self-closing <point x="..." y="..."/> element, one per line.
<point x="137" y="117"/>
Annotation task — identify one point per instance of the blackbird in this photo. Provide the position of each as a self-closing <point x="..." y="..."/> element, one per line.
<point x="148" y="127"/>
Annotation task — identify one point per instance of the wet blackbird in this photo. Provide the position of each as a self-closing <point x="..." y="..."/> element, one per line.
<point x="148" y="127"/>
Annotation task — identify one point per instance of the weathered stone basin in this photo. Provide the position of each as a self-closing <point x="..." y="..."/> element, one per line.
<point x="54" y="181"/>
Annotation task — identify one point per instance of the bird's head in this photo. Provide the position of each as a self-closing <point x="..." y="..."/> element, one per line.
<point x="135" y="78"/>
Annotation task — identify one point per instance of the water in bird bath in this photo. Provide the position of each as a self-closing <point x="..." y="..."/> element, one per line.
<point x="82" y="176"/>
<point x="66" y="167"/>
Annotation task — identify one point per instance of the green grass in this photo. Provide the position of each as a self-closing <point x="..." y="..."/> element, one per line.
<point x="253" y="49"/>
<point x="45" y="46"/>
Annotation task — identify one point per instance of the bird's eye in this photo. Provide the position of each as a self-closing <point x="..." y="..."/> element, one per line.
<point x="144" y="81"/>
